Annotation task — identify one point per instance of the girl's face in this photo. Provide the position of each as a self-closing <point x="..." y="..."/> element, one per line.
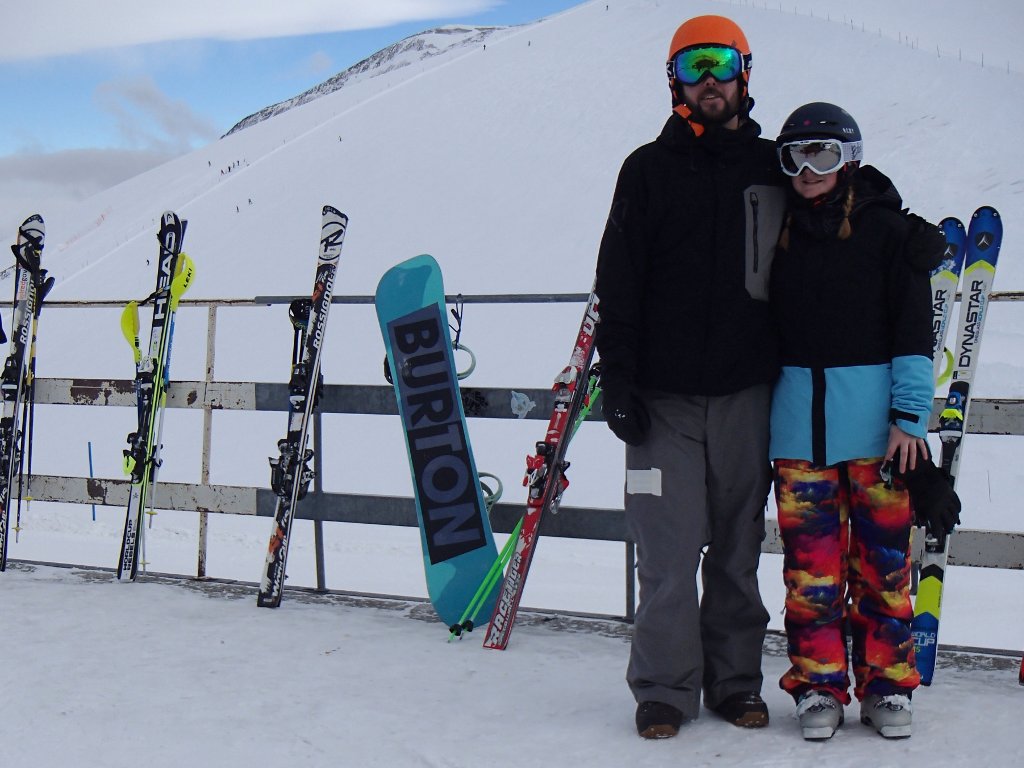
<point x="810" y="185"/>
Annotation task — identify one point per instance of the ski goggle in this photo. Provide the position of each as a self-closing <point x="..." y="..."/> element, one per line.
<point x="691" y="65"/>
<point x="822" y="156"/>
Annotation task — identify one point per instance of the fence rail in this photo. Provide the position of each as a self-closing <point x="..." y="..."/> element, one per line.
<point x="989" y="549"/>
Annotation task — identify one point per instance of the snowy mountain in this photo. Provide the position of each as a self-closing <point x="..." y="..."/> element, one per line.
<point x="501" y="162"/>
<point x="413" y="49"/>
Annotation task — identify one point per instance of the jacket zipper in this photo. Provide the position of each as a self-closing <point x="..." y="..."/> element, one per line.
<point x="757" y="254"/>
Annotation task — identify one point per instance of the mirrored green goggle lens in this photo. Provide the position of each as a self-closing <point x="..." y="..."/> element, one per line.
<point x="720" y="62"/>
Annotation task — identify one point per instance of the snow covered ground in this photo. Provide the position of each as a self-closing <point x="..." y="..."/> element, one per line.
<point x="106" y="675"/>
<point x="500" y="163"/>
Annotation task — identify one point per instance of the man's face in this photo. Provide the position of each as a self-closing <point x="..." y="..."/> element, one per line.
<point x="714" y="102"/>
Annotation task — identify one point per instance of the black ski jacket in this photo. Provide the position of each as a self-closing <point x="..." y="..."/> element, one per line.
<point x="685" y="260"/>
<point x="854" y="318"/>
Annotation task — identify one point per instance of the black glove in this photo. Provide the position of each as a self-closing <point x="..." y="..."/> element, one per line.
<point x="936" y="505"/>
<point x="926" y="245"/>
<point x="625" y="413"/>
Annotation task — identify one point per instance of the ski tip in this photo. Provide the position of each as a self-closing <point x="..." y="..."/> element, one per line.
<point x="35" y="221"/>
<point x="32" y="232"/>
<point x="986" y="218"/>
<point x="171" y="233"/>
<point x="330" y="210"/>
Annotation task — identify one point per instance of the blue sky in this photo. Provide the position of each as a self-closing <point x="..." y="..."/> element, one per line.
<point x="97" y="92"/>
<point x="179" y="93"/>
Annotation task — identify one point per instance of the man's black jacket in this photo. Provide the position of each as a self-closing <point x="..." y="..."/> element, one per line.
<point x="685" y="261"/>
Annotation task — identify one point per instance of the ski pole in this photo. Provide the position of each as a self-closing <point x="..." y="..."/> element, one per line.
<point x="91" y="477"/>
<point x="465" y="623"/>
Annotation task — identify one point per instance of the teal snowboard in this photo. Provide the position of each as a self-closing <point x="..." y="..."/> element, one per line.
<point x="458" y="546"/>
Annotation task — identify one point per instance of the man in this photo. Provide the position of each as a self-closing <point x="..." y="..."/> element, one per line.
<point x="688" y="358"/>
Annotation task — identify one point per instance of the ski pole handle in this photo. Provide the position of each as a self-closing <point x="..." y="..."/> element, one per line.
<point x="130" y="328"/>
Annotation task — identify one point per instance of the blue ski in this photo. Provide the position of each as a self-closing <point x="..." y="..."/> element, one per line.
<point x="983" y="240"/>
<point x="944" y="280"/>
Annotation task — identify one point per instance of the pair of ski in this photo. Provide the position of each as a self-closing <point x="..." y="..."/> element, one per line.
<point x="574" y="390"/>
<point x="974" y="252"/>
<point x="17" y="380"/>
<point x="174" y="274"/>
<point x="290" y="473"/>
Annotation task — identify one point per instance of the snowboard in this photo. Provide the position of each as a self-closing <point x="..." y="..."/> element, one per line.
<point x="455" y="532"/>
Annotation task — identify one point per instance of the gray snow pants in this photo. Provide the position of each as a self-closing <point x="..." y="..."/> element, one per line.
<point x="700" y="479"/>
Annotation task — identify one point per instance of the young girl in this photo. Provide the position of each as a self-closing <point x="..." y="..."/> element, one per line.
<point x="850" y="295"/>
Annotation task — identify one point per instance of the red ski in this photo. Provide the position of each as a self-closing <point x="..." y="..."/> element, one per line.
<point x="545" y="475"/>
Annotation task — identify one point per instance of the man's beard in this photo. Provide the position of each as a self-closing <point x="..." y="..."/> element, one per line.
<point x="717" y="117"/>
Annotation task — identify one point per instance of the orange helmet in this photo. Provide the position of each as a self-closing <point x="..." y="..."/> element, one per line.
<point x="708" y="30"/>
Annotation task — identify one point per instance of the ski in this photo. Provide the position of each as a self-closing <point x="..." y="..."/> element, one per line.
<point x="944" y="280"/>
<point x="174" y="275"/>
<point x="545" y="475"/>
<point x="290" y="473"/>
<point x="468" y="619"/>
<point x="984" y="238"/>
<point x="30" y="286"/>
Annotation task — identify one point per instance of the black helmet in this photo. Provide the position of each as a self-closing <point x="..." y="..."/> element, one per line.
<point x="821" y="136"/>
<point x="820" y="120"/>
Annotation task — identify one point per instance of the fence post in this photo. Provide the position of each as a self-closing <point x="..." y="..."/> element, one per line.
<point x="204" y="473"/>
<point x="318" y="488"/>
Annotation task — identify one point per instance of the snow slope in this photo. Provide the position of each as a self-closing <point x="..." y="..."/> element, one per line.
<point x="501" y="163"/>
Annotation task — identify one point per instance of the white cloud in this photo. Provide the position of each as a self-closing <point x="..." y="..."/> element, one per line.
<point x="59" y="27"/>
<point x="317" y="64"/>
<point x="148" y="119"/>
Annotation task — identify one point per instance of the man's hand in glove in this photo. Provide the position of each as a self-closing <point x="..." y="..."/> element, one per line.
<point x="623" y="410"/>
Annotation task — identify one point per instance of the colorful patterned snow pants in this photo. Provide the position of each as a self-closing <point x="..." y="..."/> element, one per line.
<point x="825" y="556"/>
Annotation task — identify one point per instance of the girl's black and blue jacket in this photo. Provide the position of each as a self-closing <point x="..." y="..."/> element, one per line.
<point x="854" y="323"/>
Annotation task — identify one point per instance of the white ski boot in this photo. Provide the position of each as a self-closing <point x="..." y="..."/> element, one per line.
<point x="820" y="714"/>
<point x="889" y="715"/>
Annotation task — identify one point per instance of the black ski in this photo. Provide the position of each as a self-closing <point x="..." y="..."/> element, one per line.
<point x="290" y="473"/>
<point x="30" y="287"/>
<point x="174" y="275"/>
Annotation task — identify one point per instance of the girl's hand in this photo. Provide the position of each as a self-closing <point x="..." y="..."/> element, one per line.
<point x="907" y="446"/>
